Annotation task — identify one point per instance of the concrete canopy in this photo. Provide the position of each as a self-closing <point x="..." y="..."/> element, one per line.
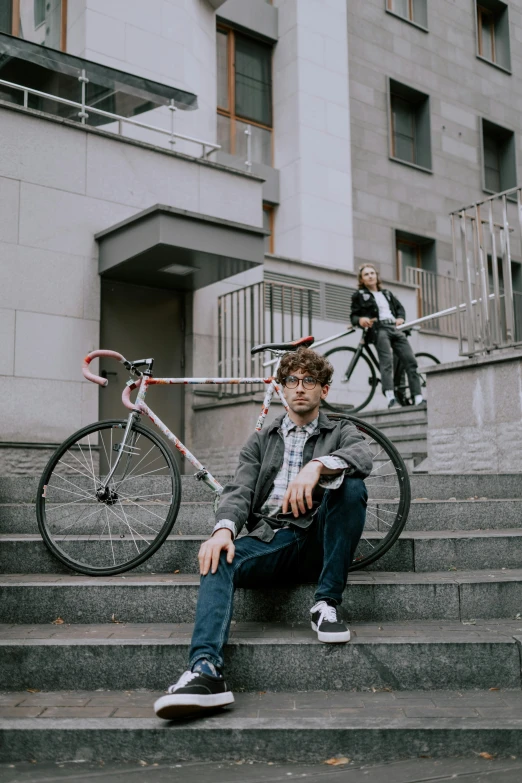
<point x="166" y="247"/>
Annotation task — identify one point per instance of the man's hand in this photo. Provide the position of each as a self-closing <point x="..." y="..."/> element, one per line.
<point x="210" y="551"/>
<point x="299" y="492"/>
<point x="399" y="321"/>
<point x="366" y="322"/>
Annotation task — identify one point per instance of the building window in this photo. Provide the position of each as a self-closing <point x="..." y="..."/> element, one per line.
<point x="410" y="136"/>
<point x="268" y="225"/>
<point x="244" y="96"/>
<point x="41" y="21"/>
<point x="415" y="11"/>
<point x="493" y="32"/>
<point x="498" y="146"/>
<point x="413" y="252"/>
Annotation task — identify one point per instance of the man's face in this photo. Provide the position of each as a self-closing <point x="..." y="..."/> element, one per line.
<point x="369" y="276"/>
<point x="301" y="400"/>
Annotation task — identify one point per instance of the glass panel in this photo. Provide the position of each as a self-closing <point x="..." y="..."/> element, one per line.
<point x="253" y="63"/>
<point x="487" y="34"/>
<point x="5" y="16"/>
<point x="41" y="23"/>
<point x="261" y="143"/>
<point x="222" y="69"/>
<point x="401" y="7"/>
<point x="403" y="119"/>
<point x="492" y="164"/>
<point x="224" y="133"/>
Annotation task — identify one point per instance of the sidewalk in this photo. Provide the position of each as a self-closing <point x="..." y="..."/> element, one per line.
<point x="478" y="770"/>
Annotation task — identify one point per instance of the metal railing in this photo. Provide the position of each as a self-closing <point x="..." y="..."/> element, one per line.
<point x="264" y="312"/>
<point x="486" y="235"/>
<point x="434" y="293"/>
<point x="85" y="110"/>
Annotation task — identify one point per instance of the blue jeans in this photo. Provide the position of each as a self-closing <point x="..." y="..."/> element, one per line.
<point x="321" y="553"/>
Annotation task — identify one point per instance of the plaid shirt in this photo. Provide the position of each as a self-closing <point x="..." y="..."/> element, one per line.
<point x="295" y="438"/>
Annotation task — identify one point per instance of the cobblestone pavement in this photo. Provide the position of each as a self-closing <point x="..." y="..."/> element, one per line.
<point x="414" y="771"/>
<point x="484" y="706"/>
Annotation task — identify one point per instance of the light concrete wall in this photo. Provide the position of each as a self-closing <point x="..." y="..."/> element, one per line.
<point x="443" y="64"/>
<point x="169" y="41"/>
<point x="477" y="428"/>
<point x="312" y="133"/>
<point x="52" y="205"/>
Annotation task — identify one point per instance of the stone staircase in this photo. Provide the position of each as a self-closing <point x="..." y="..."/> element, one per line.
<point x="407" y="428"/>
<point x="434" y="666"/>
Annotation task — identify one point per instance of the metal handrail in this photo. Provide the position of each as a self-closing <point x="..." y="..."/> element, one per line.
<point x="207" y="146"/>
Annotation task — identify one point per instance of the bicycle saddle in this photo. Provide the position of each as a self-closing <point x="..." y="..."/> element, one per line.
<point x="303" y="342"/>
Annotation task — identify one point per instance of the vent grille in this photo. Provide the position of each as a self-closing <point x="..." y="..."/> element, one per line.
<point x="330" y="302"/>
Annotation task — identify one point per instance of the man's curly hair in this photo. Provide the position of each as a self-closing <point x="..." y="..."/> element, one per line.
<point x="308" y="361"/>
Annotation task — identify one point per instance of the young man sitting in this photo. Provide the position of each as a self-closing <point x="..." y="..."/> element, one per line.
<point x="299" y="491"/>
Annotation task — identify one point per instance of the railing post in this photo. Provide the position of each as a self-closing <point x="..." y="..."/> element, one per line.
<point x="248" y="162"/>
<point x="508" y="280"/>
<point x="468" y="292"/>
<point x="26" y="99"/>
<point x="84" y="80"/>
<point x="484" y="290"/>
<point x="496" y="332"/>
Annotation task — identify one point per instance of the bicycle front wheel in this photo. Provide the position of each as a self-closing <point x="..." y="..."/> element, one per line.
<point x="354" y="393"/>
<point x="98" y="530"/>
<point x="389" y="496"/>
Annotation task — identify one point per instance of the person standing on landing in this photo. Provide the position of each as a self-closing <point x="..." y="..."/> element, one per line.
<point x="379" y="311"/>
<point x="299" y="491"/>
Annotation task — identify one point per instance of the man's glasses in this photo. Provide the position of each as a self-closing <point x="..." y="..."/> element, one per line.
<point x="291" y="382"/>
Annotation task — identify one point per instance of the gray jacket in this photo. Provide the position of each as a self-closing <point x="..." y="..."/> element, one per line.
<point x="260" y="461"/>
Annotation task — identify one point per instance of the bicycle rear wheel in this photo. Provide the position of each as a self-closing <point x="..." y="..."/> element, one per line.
<point x="389" y="495"/>
<point x="354" y="394"/>
<point x="101" y="533"/>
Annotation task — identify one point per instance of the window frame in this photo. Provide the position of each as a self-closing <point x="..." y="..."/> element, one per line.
<point x="509" y="137"/>
<point x="420" y="100"/>
<point x="481" y="10"/>
<point x="410" y="19"/>
<point x="230" y="113"/>
<point x="15" y="22"/>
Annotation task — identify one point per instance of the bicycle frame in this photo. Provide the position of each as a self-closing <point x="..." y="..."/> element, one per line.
<point x="140" y="407"/>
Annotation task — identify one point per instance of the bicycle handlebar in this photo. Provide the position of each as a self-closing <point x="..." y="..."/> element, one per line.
<point x="94" y="355"/>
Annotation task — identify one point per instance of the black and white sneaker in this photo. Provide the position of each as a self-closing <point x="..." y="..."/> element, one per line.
<point x="326" y="623"/>
<point x="195" y="692"/>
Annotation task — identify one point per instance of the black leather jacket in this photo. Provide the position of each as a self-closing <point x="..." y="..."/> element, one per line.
<point x="364" y="305"/>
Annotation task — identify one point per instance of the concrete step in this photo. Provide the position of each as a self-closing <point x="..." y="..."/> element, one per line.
<point x="420" y="551"/>
<point x="196" y="518"/>
<point x="22" y="489"/>
<point x="385" y="417"/>
<point x="397" y="429"/>
<point x="274" y="657"/>
<point x="371" y="596"/>
<point x="267" y="727"/>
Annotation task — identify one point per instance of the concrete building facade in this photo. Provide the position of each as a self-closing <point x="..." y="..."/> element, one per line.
<point x="377" y="119"/>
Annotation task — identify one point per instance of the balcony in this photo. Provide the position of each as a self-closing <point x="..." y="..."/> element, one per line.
<point x="91" y="94"/>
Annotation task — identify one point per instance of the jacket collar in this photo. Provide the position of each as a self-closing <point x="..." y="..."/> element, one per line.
<point x="323" y="424"/>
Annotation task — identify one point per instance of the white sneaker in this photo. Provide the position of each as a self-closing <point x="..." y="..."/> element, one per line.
<point x="194" y="692"/>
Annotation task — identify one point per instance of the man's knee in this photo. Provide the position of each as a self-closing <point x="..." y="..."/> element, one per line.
<point x="352" y="490"/>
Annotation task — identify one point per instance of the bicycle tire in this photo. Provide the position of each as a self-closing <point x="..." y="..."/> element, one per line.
<point x="381" y="496"/>
<point x="372" y="380"/>
<point x="403" y="393"/>
<point x="79" y="477"/>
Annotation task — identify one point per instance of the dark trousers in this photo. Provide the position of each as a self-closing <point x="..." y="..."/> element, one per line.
<point x="388" y="342"/>
<point x="321" y="553"/>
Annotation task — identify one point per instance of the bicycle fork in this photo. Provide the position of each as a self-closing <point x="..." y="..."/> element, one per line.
<point x="126" y="447"/>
